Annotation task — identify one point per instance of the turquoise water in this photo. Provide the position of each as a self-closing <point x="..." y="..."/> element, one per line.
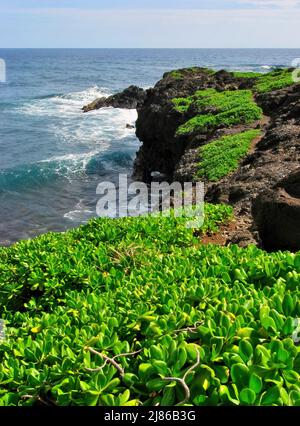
<point x="52" y="156"/>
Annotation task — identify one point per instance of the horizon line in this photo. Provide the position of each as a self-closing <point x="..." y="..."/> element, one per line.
<point x="158" y="48"/>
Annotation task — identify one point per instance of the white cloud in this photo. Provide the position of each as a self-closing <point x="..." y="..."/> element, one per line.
<point x="286" y="4"/>
<point x="152" y="28"/>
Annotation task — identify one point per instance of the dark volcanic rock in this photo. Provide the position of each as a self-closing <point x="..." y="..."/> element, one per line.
<point x="271" y="160"/>
<point x="158" y="121"/>
<point x="275" y="157"/>
<point x="242" y="238"/>
<point x="276" y="213"/>
<point x="261" y="186"/>
<point x="130" y="98"/>
<point x="283" y="102"/>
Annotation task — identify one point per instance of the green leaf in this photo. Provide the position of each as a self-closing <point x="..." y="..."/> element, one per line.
<point x="192" y="351"/>
<point x="91" y="398"/>
<point x="146" y="371"/>
<point x="264" y="312"/>
<point x="161" y="368"/>
<point x="255" y="383"/>
<point x="245" y="350"/>
<point x="283" y="355"/>
<point x="113" y="384"/>
<point x="226" y="397"/>
<point x="84" y="386"/>
<point x="288" y="327"/>
<point x="181" y="357"/>
<point x="247" y="396"/>
<point x="245" y="332"/>
<point x="271" y="396"/>
<point x="132" y="403"/>
<point x="292" y="377"/>
<point x="240" y="375"/>
<point x="124" y="397"/>
<point x="168" y="398"/>
<point x="268" y="323"/>
<point x="156" y="353"/>
<point x="130" y="379"/>
<point x="222" y="372"/>
<point x="288" y="305"/>
<point x="294" y="397"/>
<point x="156" y="385"/>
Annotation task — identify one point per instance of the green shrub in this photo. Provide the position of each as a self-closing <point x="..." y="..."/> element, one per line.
<point x="217" y="109"/>
<point x="250" y="74"/>
<point x="221" y="318"/>
<point x="177" y="75"/>
<point x="182" y="104"/>
<point x="222" y="156"/>
<point x="274" y="80"/>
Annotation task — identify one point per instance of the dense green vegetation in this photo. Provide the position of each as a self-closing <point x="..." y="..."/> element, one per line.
<point x="177" y="75"/>
<point x="245" y="74"/>
<point x="202" y="324"/>
<point x="215" y="109"/>
<point x="222" y="156"/>
<point x="274" y="80"/>
<point x="212" y="108"/>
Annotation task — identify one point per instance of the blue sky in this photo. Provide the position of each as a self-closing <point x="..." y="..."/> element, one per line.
<point x="150" y="23"/>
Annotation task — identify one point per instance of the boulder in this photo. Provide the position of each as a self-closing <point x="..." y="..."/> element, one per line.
<point x="131" y="98"/>
<point x="276" y="214"/>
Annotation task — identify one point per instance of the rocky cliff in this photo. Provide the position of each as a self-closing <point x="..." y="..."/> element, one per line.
<point x="175" y="148"/>
<point x="237" y="132"/>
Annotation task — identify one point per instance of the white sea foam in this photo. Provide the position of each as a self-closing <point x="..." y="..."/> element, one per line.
<point x="80" y="213"/>
<point x="84" y="157"/>
<point x="69" y="124"/>
<point x="62" y="105"/>
<point x="70" y="165"/>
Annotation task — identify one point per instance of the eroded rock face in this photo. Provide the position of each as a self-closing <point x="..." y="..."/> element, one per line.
<point x="158" y="121"/>
<point x="130" y="98"/>
<point x="262" y="186"/>
<point x="276" y="213"/>
<point x="266" y="185"/>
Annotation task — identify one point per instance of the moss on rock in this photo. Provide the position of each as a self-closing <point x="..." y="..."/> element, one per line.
<point x="222" y="156"/>
<point x="217" y="109"/>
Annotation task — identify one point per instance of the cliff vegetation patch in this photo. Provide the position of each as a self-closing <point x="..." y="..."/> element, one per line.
<point x="222" y="156"/>
<point x="274" y="80"/>
<point x="215" y="109"/>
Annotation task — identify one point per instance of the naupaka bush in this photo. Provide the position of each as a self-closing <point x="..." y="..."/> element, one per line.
<point x="137" y="311"/>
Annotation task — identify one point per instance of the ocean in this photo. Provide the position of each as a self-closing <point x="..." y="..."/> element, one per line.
<point x="52" y="156"/>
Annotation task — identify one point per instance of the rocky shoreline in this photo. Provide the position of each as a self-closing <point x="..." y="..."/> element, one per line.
<point x="264" y="189"/>
<point x="131" y="98"/>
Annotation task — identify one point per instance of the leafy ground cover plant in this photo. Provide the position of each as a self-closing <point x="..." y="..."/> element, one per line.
<point x="274" y="80"/>
<point x="222" y="156"/>
<point x="136" y="311"/>
<point x="246" y="74"/>
<point x="215" y="109"/>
